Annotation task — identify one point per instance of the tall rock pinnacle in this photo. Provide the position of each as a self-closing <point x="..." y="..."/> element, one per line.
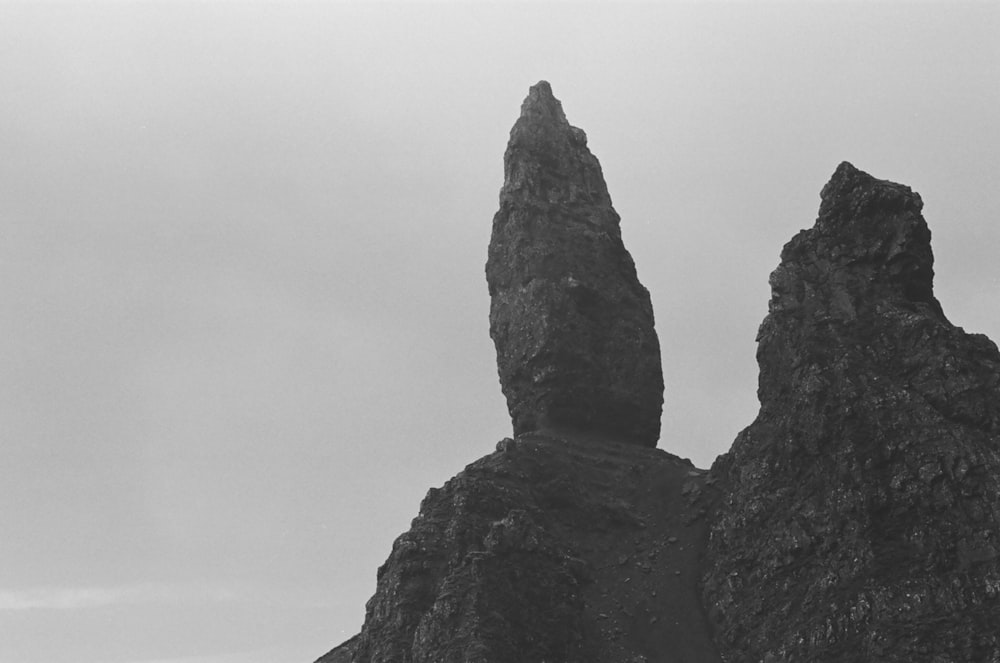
<point x="861" y="511"/>
<point x="572" y="325"/>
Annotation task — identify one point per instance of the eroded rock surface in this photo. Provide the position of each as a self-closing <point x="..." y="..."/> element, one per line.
<point x="856" y="519"/>
<point x="553" y="551"/>
<point x="861" y="510"/>
<point x="342" y="653"/>
<point x="572" y="325"/>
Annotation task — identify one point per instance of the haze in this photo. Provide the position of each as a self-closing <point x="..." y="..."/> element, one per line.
<point x="244" y="314"/>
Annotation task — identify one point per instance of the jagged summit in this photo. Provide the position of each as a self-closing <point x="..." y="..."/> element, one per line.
<point x="862" y="511"/>
<point x="547" y="160"/>
<point x="541" y="104"/>
<point x="572" y="325"/>
<point x="850" y="190"/>
<point x="894" y="239"/>
<point x="869" y="249"/>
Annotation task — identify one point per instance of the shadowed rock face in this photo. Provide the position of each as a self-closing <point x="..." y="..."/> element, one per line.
<point x="547" y="551"/>
<point x="861" y="509"/>
<point x="572" y="325"/>
<point x="856" y="519"/>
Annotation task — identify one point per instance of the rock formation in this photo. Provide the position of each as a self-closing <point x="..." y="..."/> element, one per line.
<point x="573" y="327"/>
<point x="547" y="550"/>
<point x="861" y="510"/>
<point x="573" y="542"/>
<point x="856" y="519"/>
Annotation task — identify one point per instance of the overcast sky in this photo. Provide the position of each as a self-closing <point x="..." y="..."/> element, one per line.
<point x="244" y="320"/>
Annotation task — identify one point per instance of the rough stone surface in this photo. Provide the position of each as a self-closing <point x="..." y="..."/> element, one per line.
<point x="572" y="325"/>
<point x="342" y="653"/>
<point x="548" y="550"/>
<point x="861" y="509"/>
<point x="856" y="519"/>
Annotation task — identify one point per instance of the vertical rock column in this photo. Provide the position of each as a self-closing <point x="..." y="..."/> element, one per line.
<point x="572" y="325"/>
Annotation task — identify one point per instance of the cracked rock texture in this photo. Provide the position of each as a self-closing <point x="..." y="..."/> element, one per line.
<point x="572" y="325"/>
<point x="856" y="519"/>
<point x="548" y="550"/>
<point x="861" y="511"/>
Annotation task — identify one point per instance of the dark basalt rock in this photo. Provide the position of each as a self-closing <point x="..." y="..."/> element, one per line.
<point x="856" y="519"/>
<point x="572" y="325"/>
<point x="342" y="653"/>
<point x="861" y="517"/>
<point x="548" y="550"/>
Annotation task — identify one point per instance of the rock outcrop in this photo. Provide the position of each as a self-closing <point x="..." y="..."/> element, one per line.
<point x="856" y="519"/>
<point x="342" y="653"/>
<point x="572" y="325"/>
<point x="861" y="517"/>
<point x="548" y="550"/>
<point x="574" y="542"/>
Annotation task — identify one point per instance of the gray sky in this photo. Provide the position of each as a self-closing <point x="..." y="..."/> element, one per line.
<point x="244" y="314"/>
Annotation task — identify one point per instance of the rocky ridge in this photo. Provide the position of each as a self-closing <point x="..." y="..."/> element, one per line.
<point x="861" y="510"/>
<point x="548" y="550"/>
<point x="856" y="519"/>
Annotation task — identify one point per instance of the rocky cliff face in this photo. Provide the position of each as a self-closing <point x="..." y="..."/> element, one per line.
<point x="548" y="550"/>
<point x="856" y="519"/>
<point x="861" y="510"/>
<point x="572" y="325"/>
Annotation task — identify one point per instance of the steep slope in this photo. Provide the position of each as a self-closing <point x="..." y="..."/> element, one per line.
<point x="342" y="653"/>
<point x="572" y="325"/>
<point x="548" y="550"/>
<point x="861" y="510"/>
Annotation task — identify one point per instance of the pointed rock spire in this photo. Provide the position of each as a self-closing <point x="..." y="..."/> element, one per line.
<point x="572" y="325"/>
<point x="541" y="104"/>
